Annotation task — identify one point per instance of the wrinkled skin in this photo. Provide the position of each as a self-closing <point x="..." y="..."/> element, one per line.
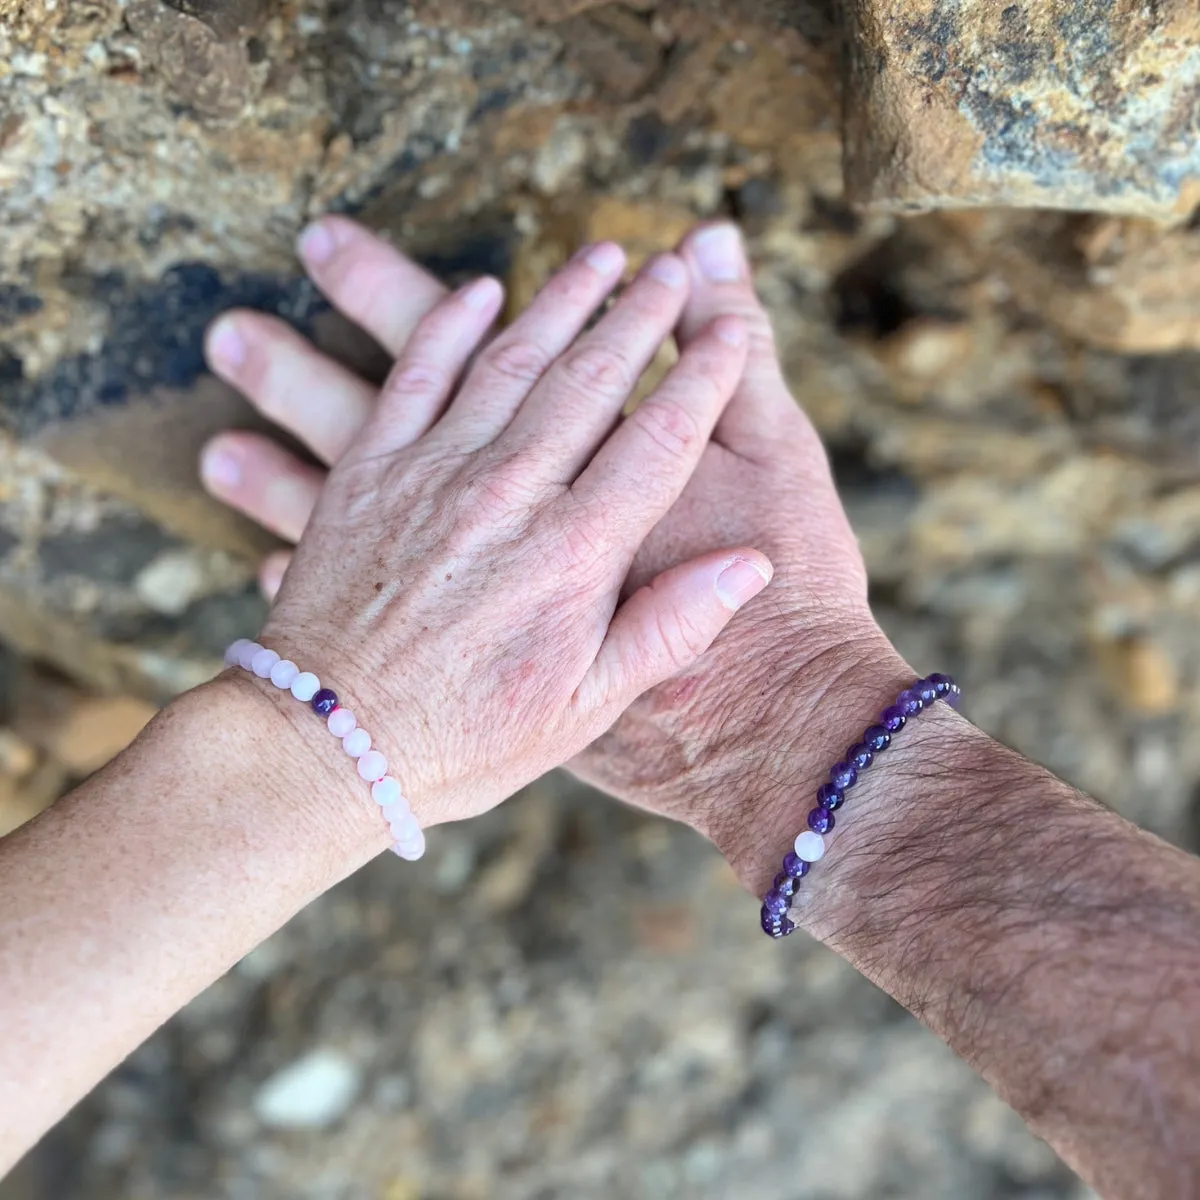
<point x="762" y="481"/>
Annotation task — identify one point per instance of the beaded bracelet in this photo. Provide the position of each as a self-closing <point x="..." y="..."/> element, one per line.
<point x="408" y="838"/>
<point x="778" y="915"/>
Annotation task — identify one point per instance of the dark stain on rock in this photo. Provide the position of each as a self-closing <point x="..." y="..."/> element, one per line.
<point x="154" y="338"/>
<point x="16" y="303"/>
<point x="114" y="553"/>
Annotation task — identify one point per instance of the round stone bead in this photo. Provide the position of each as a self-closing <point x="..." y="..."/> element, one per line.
<point x="324" y="702"/>
<point x="356" y="743"/>
<point x="786" y="884"/>
<point x="404" y="825"/>
<point x="794" y="865"/>
<point x="372" y="766"/>
<point x="776" y="904"/>
<point x="284" y="673"/>
<point x="876" y="739"/>
<point x="830" y="797"/>
<point x="411" y="849"/>
<point x="768" y="920"/>
<point x="786" y="926"/>
<point x="859" y="757"/>
<point x="844" y="776"/>
<point x="246" y="655"/>
<point x="893" y="719"/>
<point x="820" y="820"/>
<point x="262" y="663"/>
<point x="926" y="689"/>
<point x="233" y="654"/>
<point x="305" y="686"/>
<point x="386" y="793"/>
<point x="909" y="702"/>
<point x="942" y="684"/>
<point x="810" y="846"/>
<point x="342" y="722"/>
<point x="954" y="696"/>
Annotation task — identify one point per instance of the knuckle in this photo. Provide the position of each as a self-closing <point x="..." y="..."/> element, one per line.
<point x="669" y="426"/>
<point x="500" y="494"/>
<point x="416" y="379"/>
<point x="518" y="360"/>
<point x="598" y="368"/>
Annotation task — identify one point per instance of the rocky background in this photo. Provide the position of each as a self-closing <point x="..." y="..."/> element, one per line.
<point x="1011" y="399"/>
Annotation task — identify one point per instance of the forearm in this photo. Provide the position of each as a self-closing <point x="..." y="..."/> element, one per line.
<point x="1053" y="945"/>
<point x="151" y="880"/>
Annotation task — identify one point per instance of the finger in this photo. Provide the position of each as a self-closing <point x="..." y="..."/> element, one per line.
<point x="271" y="572"/>
<point x="254" y="475"/>
<point x="425" y="375"/>
<point x="666" y="626"/>
<point x="371" y="282"/>
<point x="722" y="285"/>
<point x="572" y="410"/>
<point x="289" y="380"/>
<point x="512" y="365"/>
<point x="643" y="468"/>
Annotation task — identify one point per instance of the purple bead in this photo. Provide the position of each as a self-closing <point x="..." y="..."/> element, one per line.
<point x="830" y="797"/>
<point x="786" y="884"/>
<point x="876" y="739"/>
<point x="843" y="776"/>
<point x="786" y="926"/>
<point x="768" y="920"/>
<point x="954" y="697"/>
<point x="893" y="719"/>
<point x="926" y="689"/>
<point x="859" y="757"/>
<point x="324" y="702"/>
<point x="942" y="684"/>
<point x="795" y="866"/>
<point x="820" y="820"/>
<point x="910" y="702"/>
<point x="776" y="903"/>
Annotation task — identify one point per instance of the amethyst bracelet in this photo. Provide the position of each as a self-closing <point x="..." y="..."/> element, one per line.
<point x="809" y="848"/>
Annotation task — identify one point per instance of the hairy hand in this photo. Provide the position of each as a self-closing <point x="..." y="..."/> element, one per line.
<point x="763" y="480"/>
<point x="460" y="576"/>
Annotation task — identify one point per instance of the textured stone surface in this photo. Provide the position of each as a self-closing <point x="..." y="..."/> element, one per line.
<point x="1012" y="404"/>
<point x="1080" y="104"/>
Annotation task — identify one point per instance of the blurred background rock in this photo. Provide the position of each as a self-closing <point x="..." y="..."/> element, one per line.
<point x="567" y="998"/>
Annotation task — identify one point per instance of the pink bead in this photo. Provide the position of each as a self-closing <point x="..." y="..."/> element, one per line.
<point x="284" y="673"/>
<point x="305" y="686"/>
<point x="246" y="655"/>
<point x="234" y="652"/>
<point x="262" y="663"/>
<point x="412" y="849"/>
<point x="404" y="826"/>
<point x="386" y="793"/>
<point x="372" y="766"/>
<point x="341" y="722"/>
<point x="357" y="743"/>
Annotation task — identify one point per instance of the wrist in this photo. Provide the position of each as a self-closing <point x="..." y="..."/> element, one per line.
<point x="302" y="779"/>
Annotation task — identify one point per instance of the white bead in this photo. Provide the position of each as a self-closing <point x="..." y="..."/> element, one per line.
<point x="283" y="674"/>
<point x="372" y="766"/>
<point x="234" y="652"/>
<point x="305" y="686"/>
<point x="404" y="827"/>
<point x="262" y="663"/>
<point x="810" y="847"/>
<point x="412" y="849"/>
<point x="356" y="743"/>
<point x="386" y="793"/>
<point x="342" y="722"/>
<point x="246" y="655"/>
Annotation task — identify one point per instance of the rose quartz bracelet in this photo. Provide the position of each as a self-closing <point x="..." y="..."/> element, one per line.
<point x="408" y="839"/>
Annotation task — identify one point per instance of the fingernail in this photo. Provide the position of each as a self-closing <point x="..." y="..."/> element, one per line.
<point x="719" y="252"/>
<point x="605" y="259"/>
<point x="739" y="583"/>
<point x="270" y="577"/>
<point x="668" y="270"/>
<point x="316" y="244"/>
<point x="480" y="294"/>
<point x="226" y="346"/>
<point x="221" y="469"/>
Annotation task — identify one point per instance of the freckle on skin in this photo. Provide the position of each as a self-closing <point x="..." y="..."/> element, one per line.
<point x="449" y="577"/>
<point x="378" y="587"/>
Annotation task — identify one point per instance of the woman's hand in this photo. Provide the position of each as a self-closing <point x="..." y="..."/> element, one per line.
<point x="459" y="580"/>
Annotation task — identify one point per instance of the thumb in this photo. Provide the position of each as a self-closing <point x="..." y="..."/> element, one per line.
<point x="670" y="623"/>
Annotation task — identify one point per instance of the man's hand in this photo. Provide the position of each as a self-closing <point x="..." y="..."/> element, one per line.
<point x="691" y="748"/>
